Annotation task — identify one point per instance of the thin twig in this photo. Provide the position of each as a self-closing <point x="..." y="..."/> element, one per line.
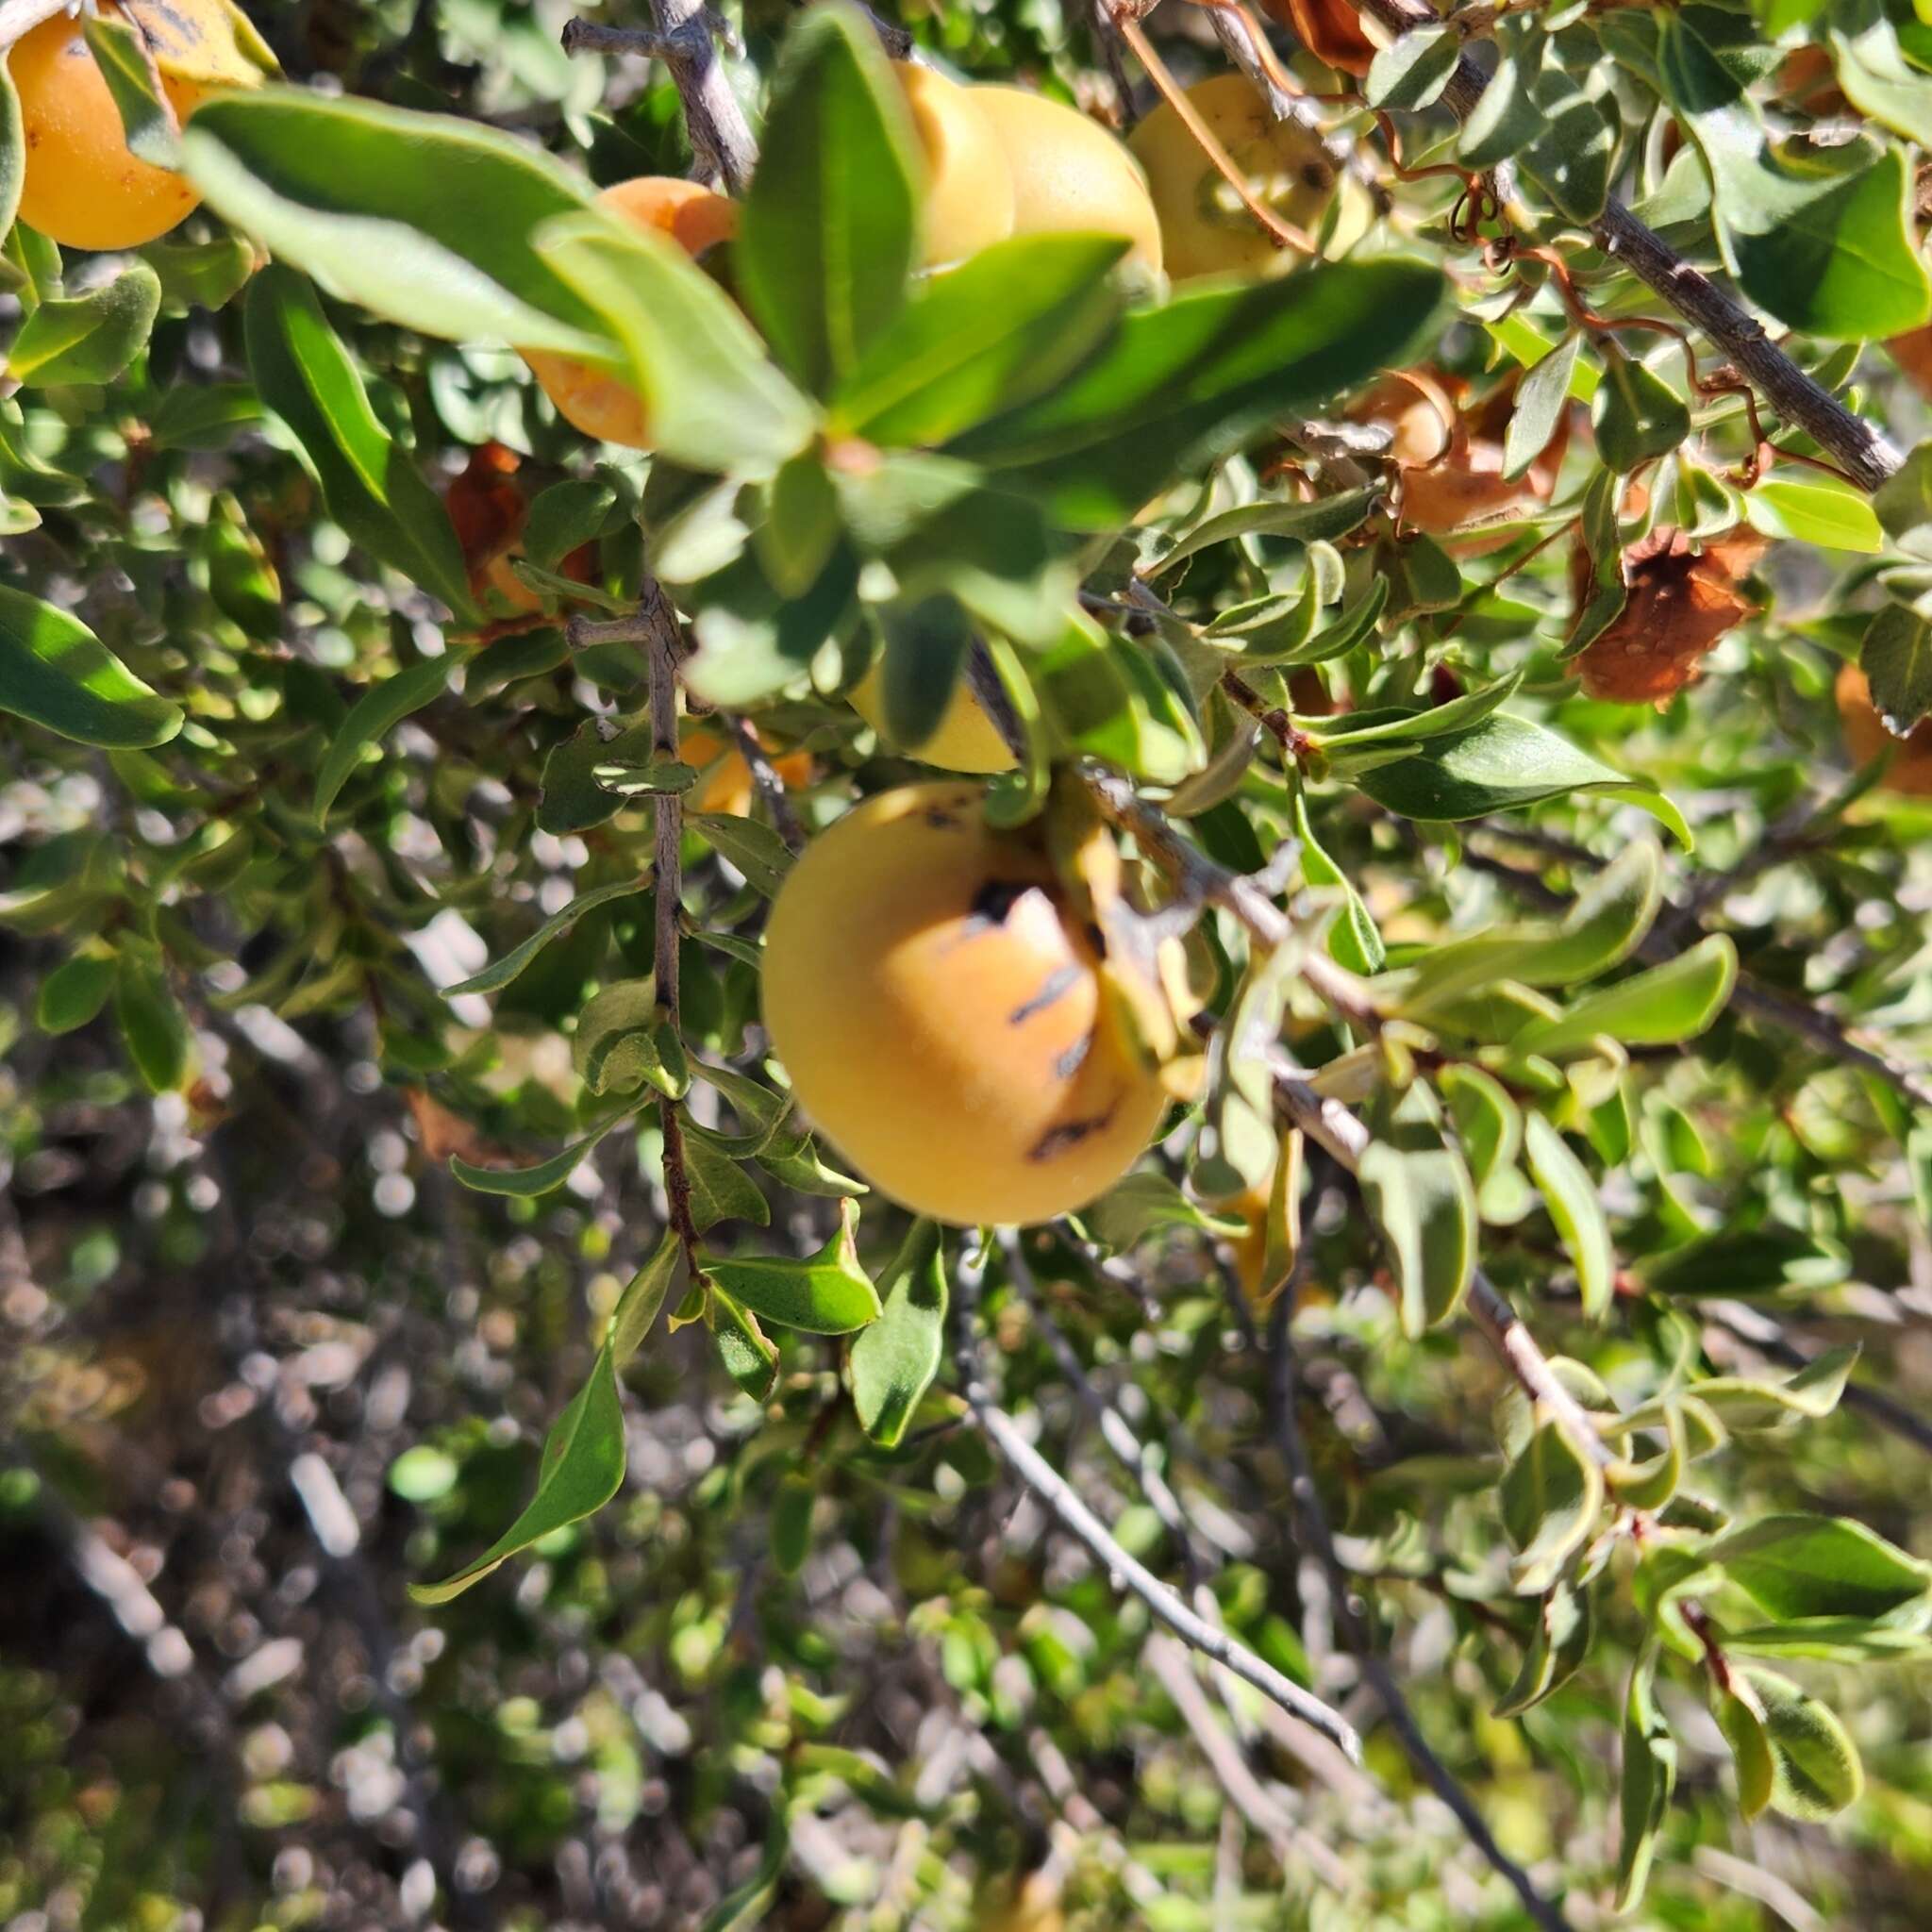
<point x="770" y="786"/>
<point x="1059" y="1497"/>
<point x="1868" y="456"/>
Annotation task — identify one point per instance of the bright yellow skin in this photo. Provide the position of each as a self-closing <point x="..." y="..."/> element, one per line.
<point x="1069" y="174"/>
<point x="82" y="187"/>
<point x="588" y="398"/>
<point x="969" y="187"/>
<point x="1204" y="228"/>
<point x="942" y="1023"/>
<point x="965" y="738"/>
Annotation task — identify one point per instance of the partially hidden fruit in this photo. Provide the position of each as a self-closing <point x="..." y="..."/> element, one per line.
<point x="82" y="187"/>
<point x="969" y="187"/>
<point x="1680" y="599"/>
<point x="592" y="399"/>
<point x="1204" y="229"/>
<point x="1331" y="30"/>
<point x="964" y="740"/>
<point x="943" y="1021"/>
<point x="1912" y="352"/>
<point x="726" y="783"/>
<point x="1866" y="736"/>
<point x="488" y="510"/>
<point x="1070" y="175"/>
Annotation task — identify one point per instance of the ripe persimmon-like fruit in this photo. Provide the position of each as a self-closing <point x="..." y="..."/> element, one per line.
<point x="1204" y="229"/>
<point x="944" y="1020"/>
<point x="1867" y="735"/>
<point x="726" y="784"/>
<point x="488" y="510"/>
<point x="592" y="399"/>
<point x="1331" y="30"/>
<point x="969" y="187"/>
<point x="964" y="740"/>
<point x="82" y="187"/>
<point x="1069" y="173"/>
<point x="1680" y="599"/>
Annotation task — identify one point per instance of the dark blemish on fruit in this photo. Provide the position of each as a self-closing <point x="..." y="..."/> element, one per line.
<point x="1057" y="1140"/>
<point x="1056" y="984"/>
<point x="1074" y="1059"/>
<point x="941" y="821"/>
<point x="1315" y="175"/>
<point x="993" y="902"/>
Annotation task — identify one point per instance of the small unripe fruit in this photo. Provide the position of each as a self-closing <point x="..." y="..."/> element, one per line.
<point x="1070" y="175"/>
<point x="969" y="187"/>
<point x="1866" y="736"/>
<point x="82" y="187"/>
<point x="728" y="785"/>
<point x="1204" y="228"/>
<point x="964" y="740"/>
<point x="590" y="399"/>
<point x="943" y="1021"/>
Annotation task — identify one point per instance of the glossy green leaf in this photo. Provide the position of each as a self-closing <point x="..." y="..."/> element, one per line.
<point x="1873" y="71"/>
<point x="826" y="1294"/>
<point x="1354" y="938"/>
<point x="89" y="338"/>
<point x="75" y="992"/>
<point x="1832" y="1639"/>
<point x="1416" y="1187"/>
<point x="372" y="484"/>
<point x="895" y="1359"/>
<point x="714" y="402"/>
<point x="1322" y="520"/>
<point x="624" y="1040"/>
<point x="924" y="656"/>
<point x="146" y="119"/>
<point x="1740" y="1717"/>
<point x="1489" y="1123"/>
<point x="1896" y="658"/>
<point x="748" y="1353"/>
<point x="981" y="338"/>
<point x="503" y="971"/>
<point x="1657" y="1007"/>
<point x="153" y="1028"/>
<point x="1543" y="399"/>
<point x="1817" y="1769"/>
<point x="1559" y="1645"/>
<point x="830" y="227"/>
<point x="1571" y="158"/>
<point x="370" y="719"/>
<point x="642" y="1299"/>
<point x="582" y="1468"/>
<point x="720" y="1190"/>
<point x="1762" y="1261"/>
<point x="55" y="673"/>
<point x="1144" y="1204"/>
<point x="753" y="849"/>
<point x="1179" y="384"/>
<point x="1552" y="1495"/>
<point x="1815" y="509"/>
<point x="527" y="1183"/>
<point x="1635" y="415"/>
<point x="424" y="219"/>
<point x="1794" y="1567"/>
<point x="1413" y="69"/>
<point x="752" y="639"/>
<point x="1649" y="1775"/>
<point x="1571" y="1196"/>
<point x="1507" y="119"/>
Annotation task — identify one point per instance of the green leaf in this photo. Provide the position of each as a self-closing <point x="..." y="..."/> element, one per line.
<point x="1552" y="1495"/>
<point x="984" y="337"/>
<point x="1503" y="764"/>
<point x="624" y="1040"/>
<point x="423" y="219"/>
<point x="1178" y="385"/>
<point x="1145" y="1203"/>
<point x="801" y="527"/>
<point x="895" y="1357"/>
<point x="1896" y="658"/>
<point x="1560" y="1642"/>
<point x="1875" y="75"/>
<point x="1353" y="939"/>
<point x="1832" y="1639"/>
<point x="370" y="719"/>
<point x="527" y="1183"/>
<point x="514" y="961"/>
<point x="1657" y="1007"/>
<point x="89" y="338"/>
<point x="1815" y="509"/>
<point x="1794" y="1567"/>
<point x="1413" y="69"/>
<point x="1571" y="1196"/>
<point x="154" y="1029"/>
<point x="1817" y="1769"/>
<point x="1649" y="1774"/>
<point x="1489" y="1123"/>
<point x="55" y="672"/>
<point x="581" y="1470"/>
<point x="1636" y="414"/>
<point x="372" y="484"/>
<point x="713" y="400"/>
<point x="1542" y="399"/>
<point x="75" y="992"/>
<point x="827" y="1294"/>
<point x="1101" y="695"/>
<point x="1740" y="1717"/>
<point x="1763" y="1261"/>
<point x="720" y="1188"/>
<point x="752" y="639"/>
<point x="1417" y="1189"/>
<point x="792" y="1511"/>
<point x="643" y="1299"/>
<point x="146" y="119"/>
<point x="1743" y="1402"/>
<point x="12" y="149"/>
<point x="753" y="849"/>
<point x="748" y="1353"/>
<point x="199" y="275"/>
<point x="575" y="797"/>
<point x="1322" y="520"/>
<point x="1507" y="119"/>
<point x="1571" y="158"/>
<point x="831" y="225"/>
<point x="926" y="648"/>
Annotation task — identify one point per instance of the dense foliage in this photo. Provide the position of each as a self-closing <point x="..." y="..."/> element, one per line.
<point x="473" y="1447"/>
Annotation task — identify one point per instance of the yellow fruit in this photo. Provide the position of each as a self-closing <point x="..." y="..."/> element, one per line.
<point x="1069" y="174"/>
<point x="943" y="1021"/>
<point x="965" y="738"/>
<point x="588" y="398"/>
<point x="1204" y="228"/>
<point x="969" y="188"/>
<point x="82" y="187"/>
<point x="728" y="785"/>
